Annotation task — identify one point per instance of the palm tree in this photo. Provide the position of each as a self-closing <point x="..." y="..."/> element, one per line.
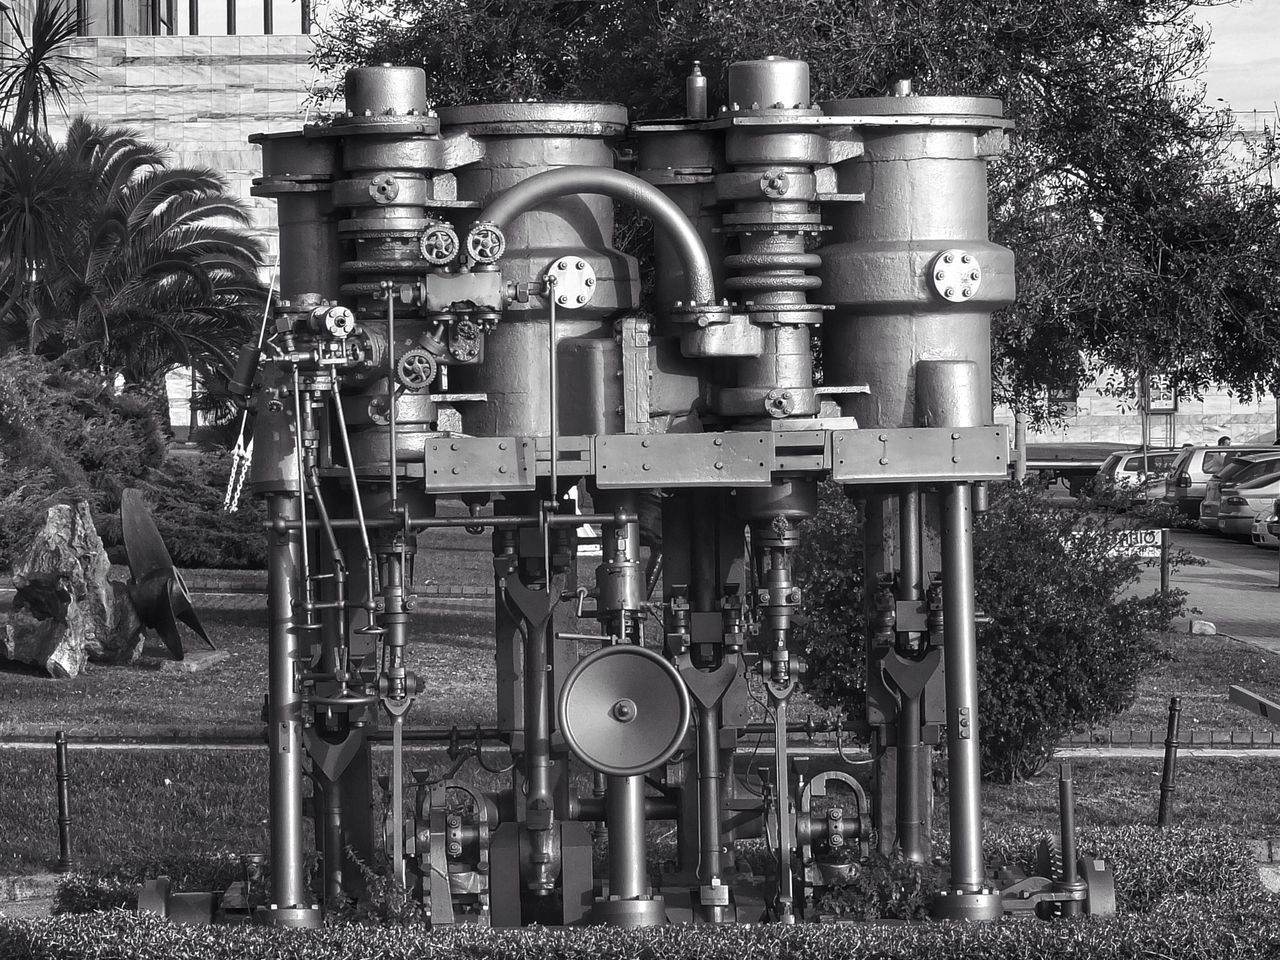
<point x="109" y="256"/>
<point x="37" y="66"/>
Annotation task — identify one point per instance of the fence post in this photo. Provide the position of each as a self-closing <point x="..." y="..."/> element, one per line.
<point x="1164" y="561"/>
<point x="63" y="777"/>
<point x="1170" y="764"/>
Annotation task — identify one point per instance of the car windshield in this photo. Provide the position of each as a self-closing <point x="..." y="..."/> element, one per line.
<point x="1256" y="484"/>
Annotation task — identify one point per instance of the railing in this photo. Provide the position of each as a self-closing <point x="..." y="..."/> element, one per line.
<point x="157" y="18"/>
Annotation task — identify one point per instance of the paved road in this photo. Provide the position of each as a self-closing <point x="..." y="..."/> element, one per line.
<point x="1221" y="550"/>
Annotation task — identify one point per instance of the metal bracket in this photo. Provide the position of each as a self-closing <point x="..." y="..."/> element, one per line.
<point x="479" y="464"/>
<point x="684" y="460"/>
<point x="919" y="454"/>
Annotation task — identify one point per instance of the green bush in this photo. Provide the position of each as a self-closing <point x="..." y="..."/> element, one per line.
<point x="64" y="435"/>
<point x="1066" y="642"/>
<point x="1192" y="929"/>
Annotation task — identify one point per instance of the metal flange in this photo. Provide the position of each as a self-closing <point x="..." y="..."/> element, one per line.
<point x="623" y="710"/>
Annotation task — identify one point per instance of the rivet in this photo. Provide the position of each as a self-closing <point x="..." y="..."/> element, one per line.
<point x="718" y="442"/>
<point x="644" y="443"/>
<point x="883" y="438"/>
<point x="955" y="436"/>
<point x="502" y="445"/>
<point x="502" y="469"/>
<point x="456" y="471"/>
<point x="453" y="446"/>
<point x="955" y="459"/>
<point x="884" y="461"/>
<point x="719" y="464"/>
<point x="644" y="466"/>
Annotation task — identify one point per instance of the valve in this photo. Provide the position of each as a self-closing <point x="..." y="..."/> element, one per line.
<point x="415" y="369"/>
<point x="337" y="322"/>
<point x="486" y="242"/>
<point x="439" y="244"/>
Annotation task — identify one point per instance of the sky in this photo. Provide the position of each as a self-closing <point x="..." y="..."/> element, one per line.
<point x="1244" y="63"/>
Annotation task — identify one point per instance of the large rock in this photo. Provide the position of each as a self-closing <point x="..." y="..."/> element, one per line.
<point x="65" y="610"/>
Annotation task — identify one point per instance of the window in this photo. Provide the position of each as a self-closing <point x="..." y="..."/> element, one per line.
<point x="131" y="18"/>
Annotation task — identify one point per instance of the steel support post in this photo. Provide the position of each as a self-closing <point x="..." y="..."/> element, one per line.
<point x="290" y="900"/>
<point x="63" y="777"/>
<point x="628" y="878"/>
<point x="968" y="895"/>
<point x="912" y="754"/>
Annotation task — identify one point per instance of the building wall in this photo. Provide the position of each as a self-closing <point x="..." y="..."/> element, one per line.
<point x="202" y="97"/>
<point x="1219" y="414"/>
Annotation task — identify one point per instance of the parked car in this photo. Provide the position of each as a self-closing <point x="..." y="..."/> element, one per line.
<point x="1261" y="534"/>
<point x="1237" y="471"/>
<point x="1239" y="507"/>
<point x="1125" y="476"/>
<point x="1192" y="470"/>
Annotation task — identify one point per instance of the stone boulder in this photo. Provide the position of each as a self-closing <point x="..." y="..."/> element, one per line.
<point x="65" y="609"/>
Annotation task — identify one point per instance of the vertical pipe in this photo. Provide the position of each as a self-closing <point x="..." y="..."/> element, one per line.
<point x="193" y="28"/>
<point x="306" y="16"/>
<point x="1067" y="832"/>
<point x="1168" y="777"/>
<point x="1164" y="561"/>
<point x="709" y="829"/>
<point x="960" y="651"/>
<point x="63" y="777"/>
<point x="624" y="814"/>
<point x="284" y="710"/>
<point x="911" y="799"/>
<point x="153" y="17"/>
<point x="231" y="18"/>
<point x="268" y="17"/>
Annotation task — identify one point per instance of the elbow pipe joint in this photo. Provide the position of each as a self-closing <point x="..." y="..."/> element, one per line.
<point x="624" y="188"/>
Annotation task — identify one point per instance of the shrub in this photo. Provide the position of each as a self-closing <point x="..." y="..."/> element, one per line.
<point x="65" y="436"/>
<point x="1191" y="929"/>
<point x="1066" y="641"/>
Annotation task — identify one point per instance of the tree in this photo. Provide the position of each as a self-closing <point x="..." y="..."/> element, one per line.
<point x="1143" y="242"/>
<point x="108" y="255"/>
<point x="1066" y="635"/>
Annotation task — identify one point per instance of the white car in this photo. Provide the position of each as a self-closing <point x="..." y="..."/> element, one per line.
<point x="1261" y="536"/>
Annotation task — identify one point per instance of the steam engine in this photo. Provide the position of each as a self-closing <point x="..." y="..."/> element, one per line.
<point x="455" y="324"/>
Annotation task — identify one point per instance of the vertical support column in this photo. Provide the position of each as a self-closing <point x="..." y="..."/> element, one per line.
<point x="968" y="895"/>
<point x="290" y="901"/>
<point x="624" y="815"/>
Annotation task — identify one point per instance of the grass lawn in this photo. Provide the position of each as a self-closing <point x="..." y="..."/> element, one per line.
<point x="140" y="807"/>
<point x="1199" y="670"/>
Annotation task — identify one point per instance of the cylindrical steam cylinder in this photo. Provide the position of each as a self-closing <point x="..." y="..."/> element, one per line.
<point x="898" y="298"/>
<point x="298" y="172"/>
<point x="521" y="140"/>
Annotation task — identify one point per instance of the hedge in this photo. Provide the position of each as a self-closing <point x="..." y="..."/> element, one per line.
<point x="1192" y="929"/>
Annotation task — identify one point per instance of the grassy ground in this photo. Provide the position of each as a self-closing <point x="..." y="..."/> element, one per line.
<point x="1199" y="670"/>
<point x="140" y="807"/>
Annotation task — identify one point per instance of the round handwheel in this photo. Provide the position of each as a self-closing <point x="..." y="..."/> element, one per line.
<point x="623" y="710"/>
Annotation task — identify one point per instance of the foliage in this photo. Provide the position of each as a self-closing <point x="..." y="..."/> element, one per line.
<point x="1143" y="241"/>
<point x="37" y="66"/>
<point x="66" y="435"/>
<point x="1190" y="929"/>
<point x="125" y="263"/>
<point x="882" y="888"/>
<point x="1066" y="642"/>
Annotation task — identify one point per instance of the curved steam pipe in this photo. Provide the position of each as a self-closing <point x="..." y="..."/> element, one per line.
<point x="625" y="188"/>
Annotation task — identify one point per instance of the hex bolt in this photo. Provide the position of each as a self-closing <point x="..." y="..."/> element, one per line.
<point x="974" y="275"/>
<point x="589" y="282"/>
<point x="581" y="265"/>
<point x="949" y="292"/>
<point x="582" y="298"/>
<point x="940" y="275"/>
<point x="562" y="265"/>
<point x="563" y="298"/>
<point x="966" y="259"/>
<point x="949" y="258"/>
<point x="966" y="292"/>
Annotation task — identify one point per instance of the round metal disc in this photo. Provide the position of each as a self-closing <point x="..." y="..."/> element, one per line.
<point x="623" y="710"/>
<point x="1101" y="881"/>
